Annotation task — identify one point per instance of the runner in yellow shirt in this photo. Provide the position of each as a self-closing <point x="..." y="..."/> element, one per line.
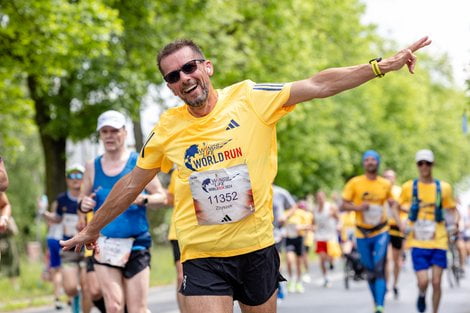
<point x="296" y="221"/>
<point x="367" y="195"/>
<point x="172" y="201"/>
<point x="223" y="142"/>
<point x="426" y="198"/>
<point x="396" y="247"/>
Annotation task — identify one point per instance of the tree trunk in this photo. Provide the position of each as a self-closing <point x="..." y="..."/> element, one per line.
<point x="138" y="136"/>
<point x="53" y="146"/>
<point x="54" y="158"/>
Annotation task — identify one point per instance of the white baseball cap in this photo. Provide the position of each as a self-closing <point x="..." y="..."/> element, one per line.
<point x="75" y="168"/>
<point x="111" y="118"/>
<point x="424" y="155"/>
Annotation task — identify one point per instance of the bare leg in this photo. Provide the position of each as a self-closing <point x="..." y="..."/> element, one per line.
<point x="136" y="291"/>
<point x="179" y="281"/>
<point x="436" y="287"/>
<point x="87" y="304"/>
<point x="423" y="281"/>
<point x="209" y="304"/>
<point x="397" y="262"/>
<point x="112" y="287"/>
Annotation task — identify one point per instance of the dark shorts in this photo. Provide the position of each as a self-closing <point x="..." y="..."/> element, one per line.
<point x="250" y="278"/>
<point x="396" y="242"/>
<point x="295" y="245"/>
<point x="138" y="261"/>
<point x="176" y="250"/>
<point x="71" y="257"/>
<point x="306" y="249"/>
<point x="90" y="264"/>
<point x="425" y="258"/>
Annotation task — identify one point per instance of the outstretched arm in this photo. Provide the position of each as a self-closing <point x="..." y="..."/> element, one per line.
<point x="335" y="80"/>
<point x="121" y="196"/>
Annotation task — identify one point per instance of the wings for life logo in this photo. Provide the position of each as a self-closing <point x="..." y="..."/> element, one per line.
<point x="199" y="156"/>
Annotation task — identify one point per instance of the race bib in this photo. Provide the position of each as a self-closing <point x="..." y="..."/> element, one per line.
<point x="114" y="251"/>
<point x="424" y="230"/>
<point x="374" y="215"/>
<point x="70" y="224"/>
<point x="222" y="196"/>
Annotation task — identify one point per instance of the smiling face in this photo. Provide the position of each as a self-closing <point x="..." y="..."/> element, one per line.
<point x="192" y="88"/>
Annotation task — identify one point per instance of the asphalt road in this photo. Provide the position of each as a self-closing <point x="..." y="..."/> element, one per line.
<point x="334" y="299"/>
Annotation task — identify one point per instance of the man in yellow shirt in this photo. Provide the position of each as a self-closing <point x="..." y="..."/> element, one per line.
<point x="396" y="247"/>
<point x="223" y="142"/>
<point x="296" y="221"/>
<point x="426" y="199"/>
<point x="367" y="195"/>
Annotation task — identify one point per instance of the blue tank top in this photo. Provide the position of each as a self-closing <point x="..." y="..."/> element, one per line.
<point x="66" y="205"/>
<point x="133" y="221"/>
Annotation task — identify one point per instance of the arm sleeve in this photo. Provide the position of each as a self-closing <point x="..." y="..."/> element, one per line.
<point x="405" y="195"/>
<point x="151" y="156"/>
<point x="447" y="197"/>
<point x="348" y="192"/>
<point x="268" y="100"/>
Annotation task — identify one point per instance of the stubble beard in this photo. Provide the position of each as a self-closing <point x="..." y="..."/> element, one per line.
<point x="201" y="99"/>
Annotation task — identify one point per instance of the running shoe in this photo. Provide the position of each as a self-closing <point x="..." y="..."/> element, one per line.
<point x="299" y="288"/>
<point x="306" y="278"/>
<point x="291" y="286"/>
<point x="379" y="309"/>
<point x="58" y="304"/>
<point x="421" y="303"/>
<point x="326" y="283"/>
<point x="396" y="294"/>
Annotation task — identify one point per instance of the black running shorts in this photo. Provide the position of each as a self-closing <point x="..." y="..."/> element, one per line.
<point x="250" y="278"/>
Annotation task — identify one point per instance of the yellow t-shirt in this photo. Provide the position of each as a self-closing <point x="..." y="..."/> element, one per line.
<point x="376" y="192"/>
<point x="427" y="198"/>
<point x="396" y="192"/>
<point x="300" y="217"/>
<point x="239" y="134"/>
<point x="171" y="189"/>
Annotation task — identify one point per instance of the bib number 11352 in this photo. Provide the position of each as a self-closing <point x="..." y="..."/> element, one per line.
<point x="222" y="196"/>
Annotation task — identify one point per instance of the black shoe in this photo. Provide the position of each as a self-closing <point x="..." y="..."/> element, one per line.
<point x="396" y="295"/>
<point x="421" y="303"/>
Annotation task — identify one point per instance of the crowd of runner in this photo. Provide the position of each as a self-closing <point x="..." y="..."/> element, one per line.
<point x="235" y="236"/>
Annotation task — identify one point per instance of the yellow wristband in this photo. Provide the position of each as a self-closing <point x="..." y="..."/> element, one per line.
<point x="375" y="67"/>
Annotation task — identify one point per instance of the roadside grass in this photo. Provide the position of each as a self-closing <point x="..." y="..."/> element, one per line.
<point x="31" y="290"/>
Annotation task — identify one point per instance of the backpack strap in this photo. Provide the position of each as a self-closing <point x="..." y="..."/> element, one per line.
<point x="439" y="214"/>
<point x="414" y="209"/>
<point x="413" y="214"/>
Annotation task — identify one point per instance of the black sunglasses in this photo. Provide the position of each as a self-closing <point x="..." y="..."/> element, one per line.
<point x="421" y="163"/>
<point x="75" y="176"/>
<point x="187" y="68"/>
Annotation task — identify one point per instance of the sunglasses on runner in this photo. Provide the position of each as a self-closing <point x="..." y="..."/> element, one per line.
<point x="188" y="68"/>
<point x="75" y="176"/>
<point x="421" y="163"/>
